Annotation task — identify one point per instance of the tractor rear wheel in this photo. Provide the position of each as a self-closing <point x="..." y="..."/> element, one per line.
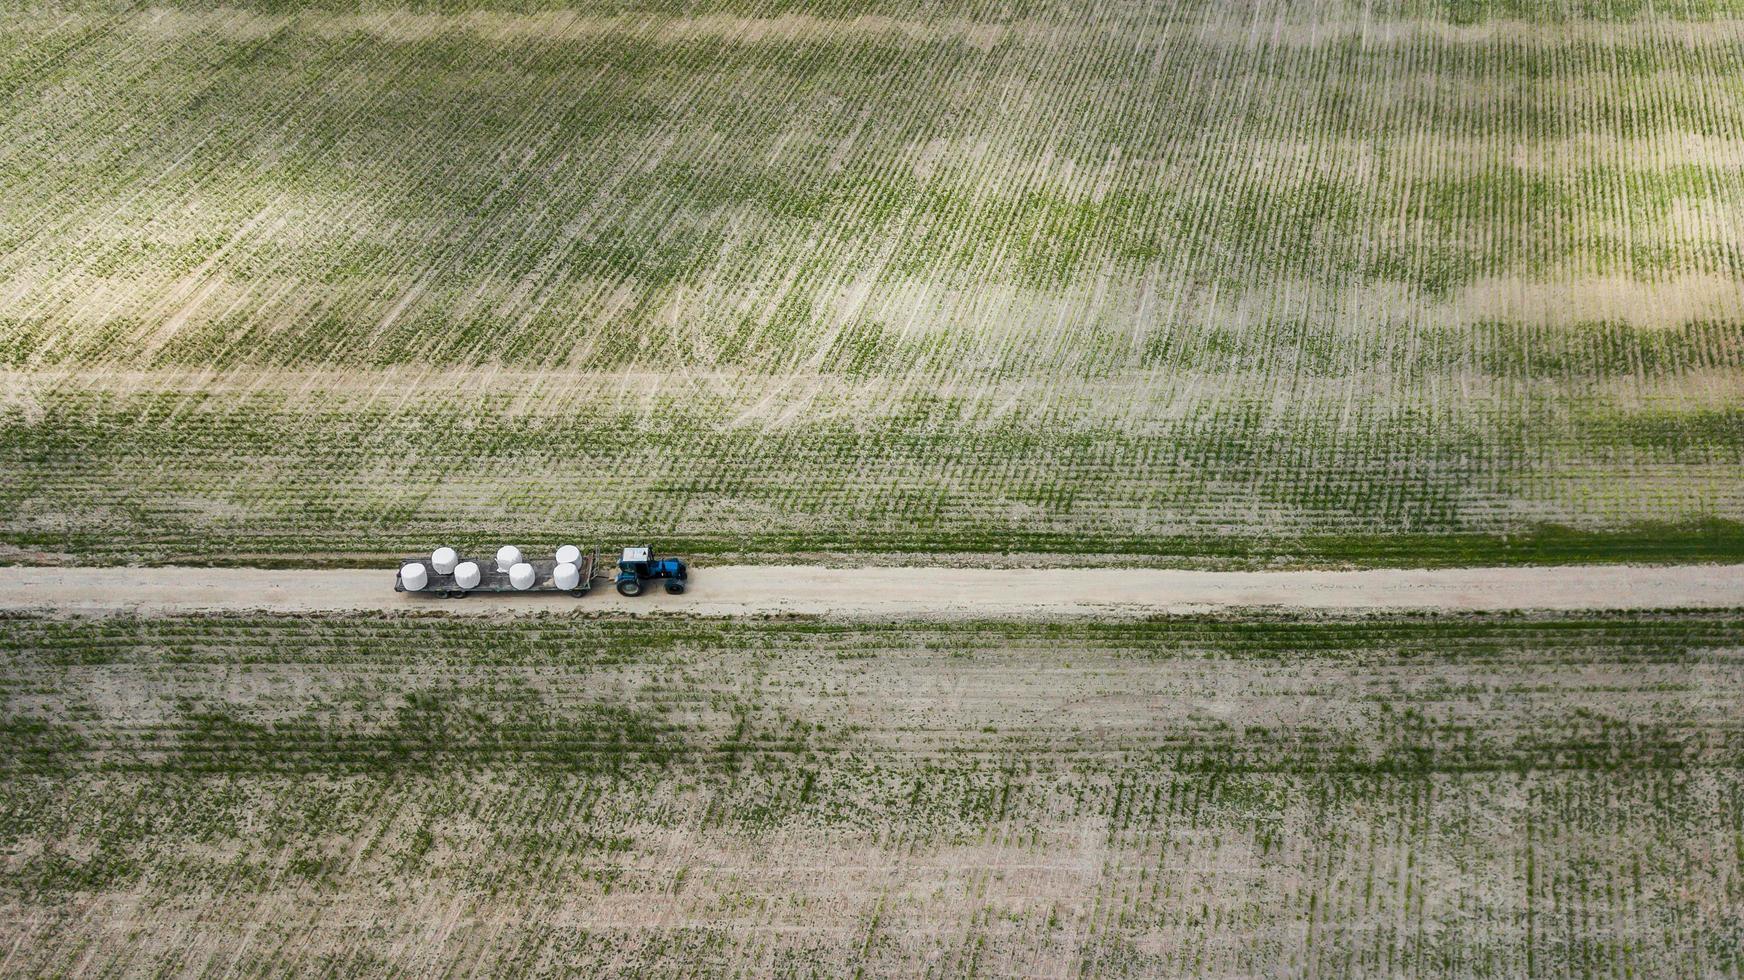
<point x="630" y="587"/>
<point x="674" y="587"/>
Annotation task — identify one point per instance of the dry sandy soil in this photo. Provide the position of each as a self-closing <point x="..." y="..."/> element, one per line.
<point x="906" y="592"/>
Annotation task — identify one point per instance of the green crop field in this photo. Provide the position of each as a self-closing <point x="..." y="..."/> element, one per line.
<point x="417" y="795"/>
<point x="1247" y="284"/>
<point x="1218" y="283"/>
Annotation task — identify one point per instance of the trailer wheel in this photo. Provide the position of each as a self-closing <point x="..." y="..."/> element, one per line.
<point x="578" y="593"/>
<point x="630" y="587"/>
<point x="675" y="587"/>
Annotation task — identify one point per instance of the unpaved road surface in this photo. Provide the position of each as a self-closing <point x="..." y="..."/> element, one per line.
<point x="919" y="592"/>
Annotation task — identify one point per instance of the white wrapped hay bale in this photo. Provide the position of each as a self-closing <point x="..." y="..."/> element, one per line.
<point x="569" y="555"/>
<point x="413" y="576"/>
<point x="507" y="556"/>
<point x="566" y="575"/>
<point x="444" y="560"/>
<point x="467" y="575"/>
<point x="521" y="576"/>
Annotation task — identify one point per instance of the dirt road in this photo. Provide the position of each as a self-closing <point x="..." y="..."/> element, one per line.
<point x="920" y="592"/>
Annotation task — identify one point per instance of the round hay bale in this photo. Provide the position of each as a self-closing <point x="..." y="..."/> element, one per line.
<point x="569" y="555"/>
<point x="566" y="575"/>
<point x="467" y="575"/>
<point x="413" y="576"/>
<point x="444" y="560"/>
<point x="507" y="556"/>
<point x="521" y="576"/>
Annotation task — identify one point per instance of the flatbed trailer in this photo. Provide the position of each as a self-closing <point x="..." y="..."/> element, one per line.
<point x="490" y="579"/>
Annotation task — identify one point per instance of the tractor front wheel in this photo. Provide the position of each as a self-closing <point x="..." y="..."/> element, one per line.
<point x="630" y="587"/>
<point x="674" y="587"/>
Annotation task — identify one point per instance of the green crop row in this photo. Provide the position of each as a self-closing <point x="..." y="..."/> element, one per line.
<point x="266" y="477"/>
<point x="419" y="694"/>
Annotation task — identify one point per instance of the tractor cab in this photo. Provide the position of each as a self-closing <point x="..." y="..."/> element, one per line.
<point x="638" y="565"/>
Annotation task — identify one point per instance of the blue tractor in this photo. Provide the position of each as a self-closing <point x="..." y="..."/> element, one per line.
<point x="639" y="565"/>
